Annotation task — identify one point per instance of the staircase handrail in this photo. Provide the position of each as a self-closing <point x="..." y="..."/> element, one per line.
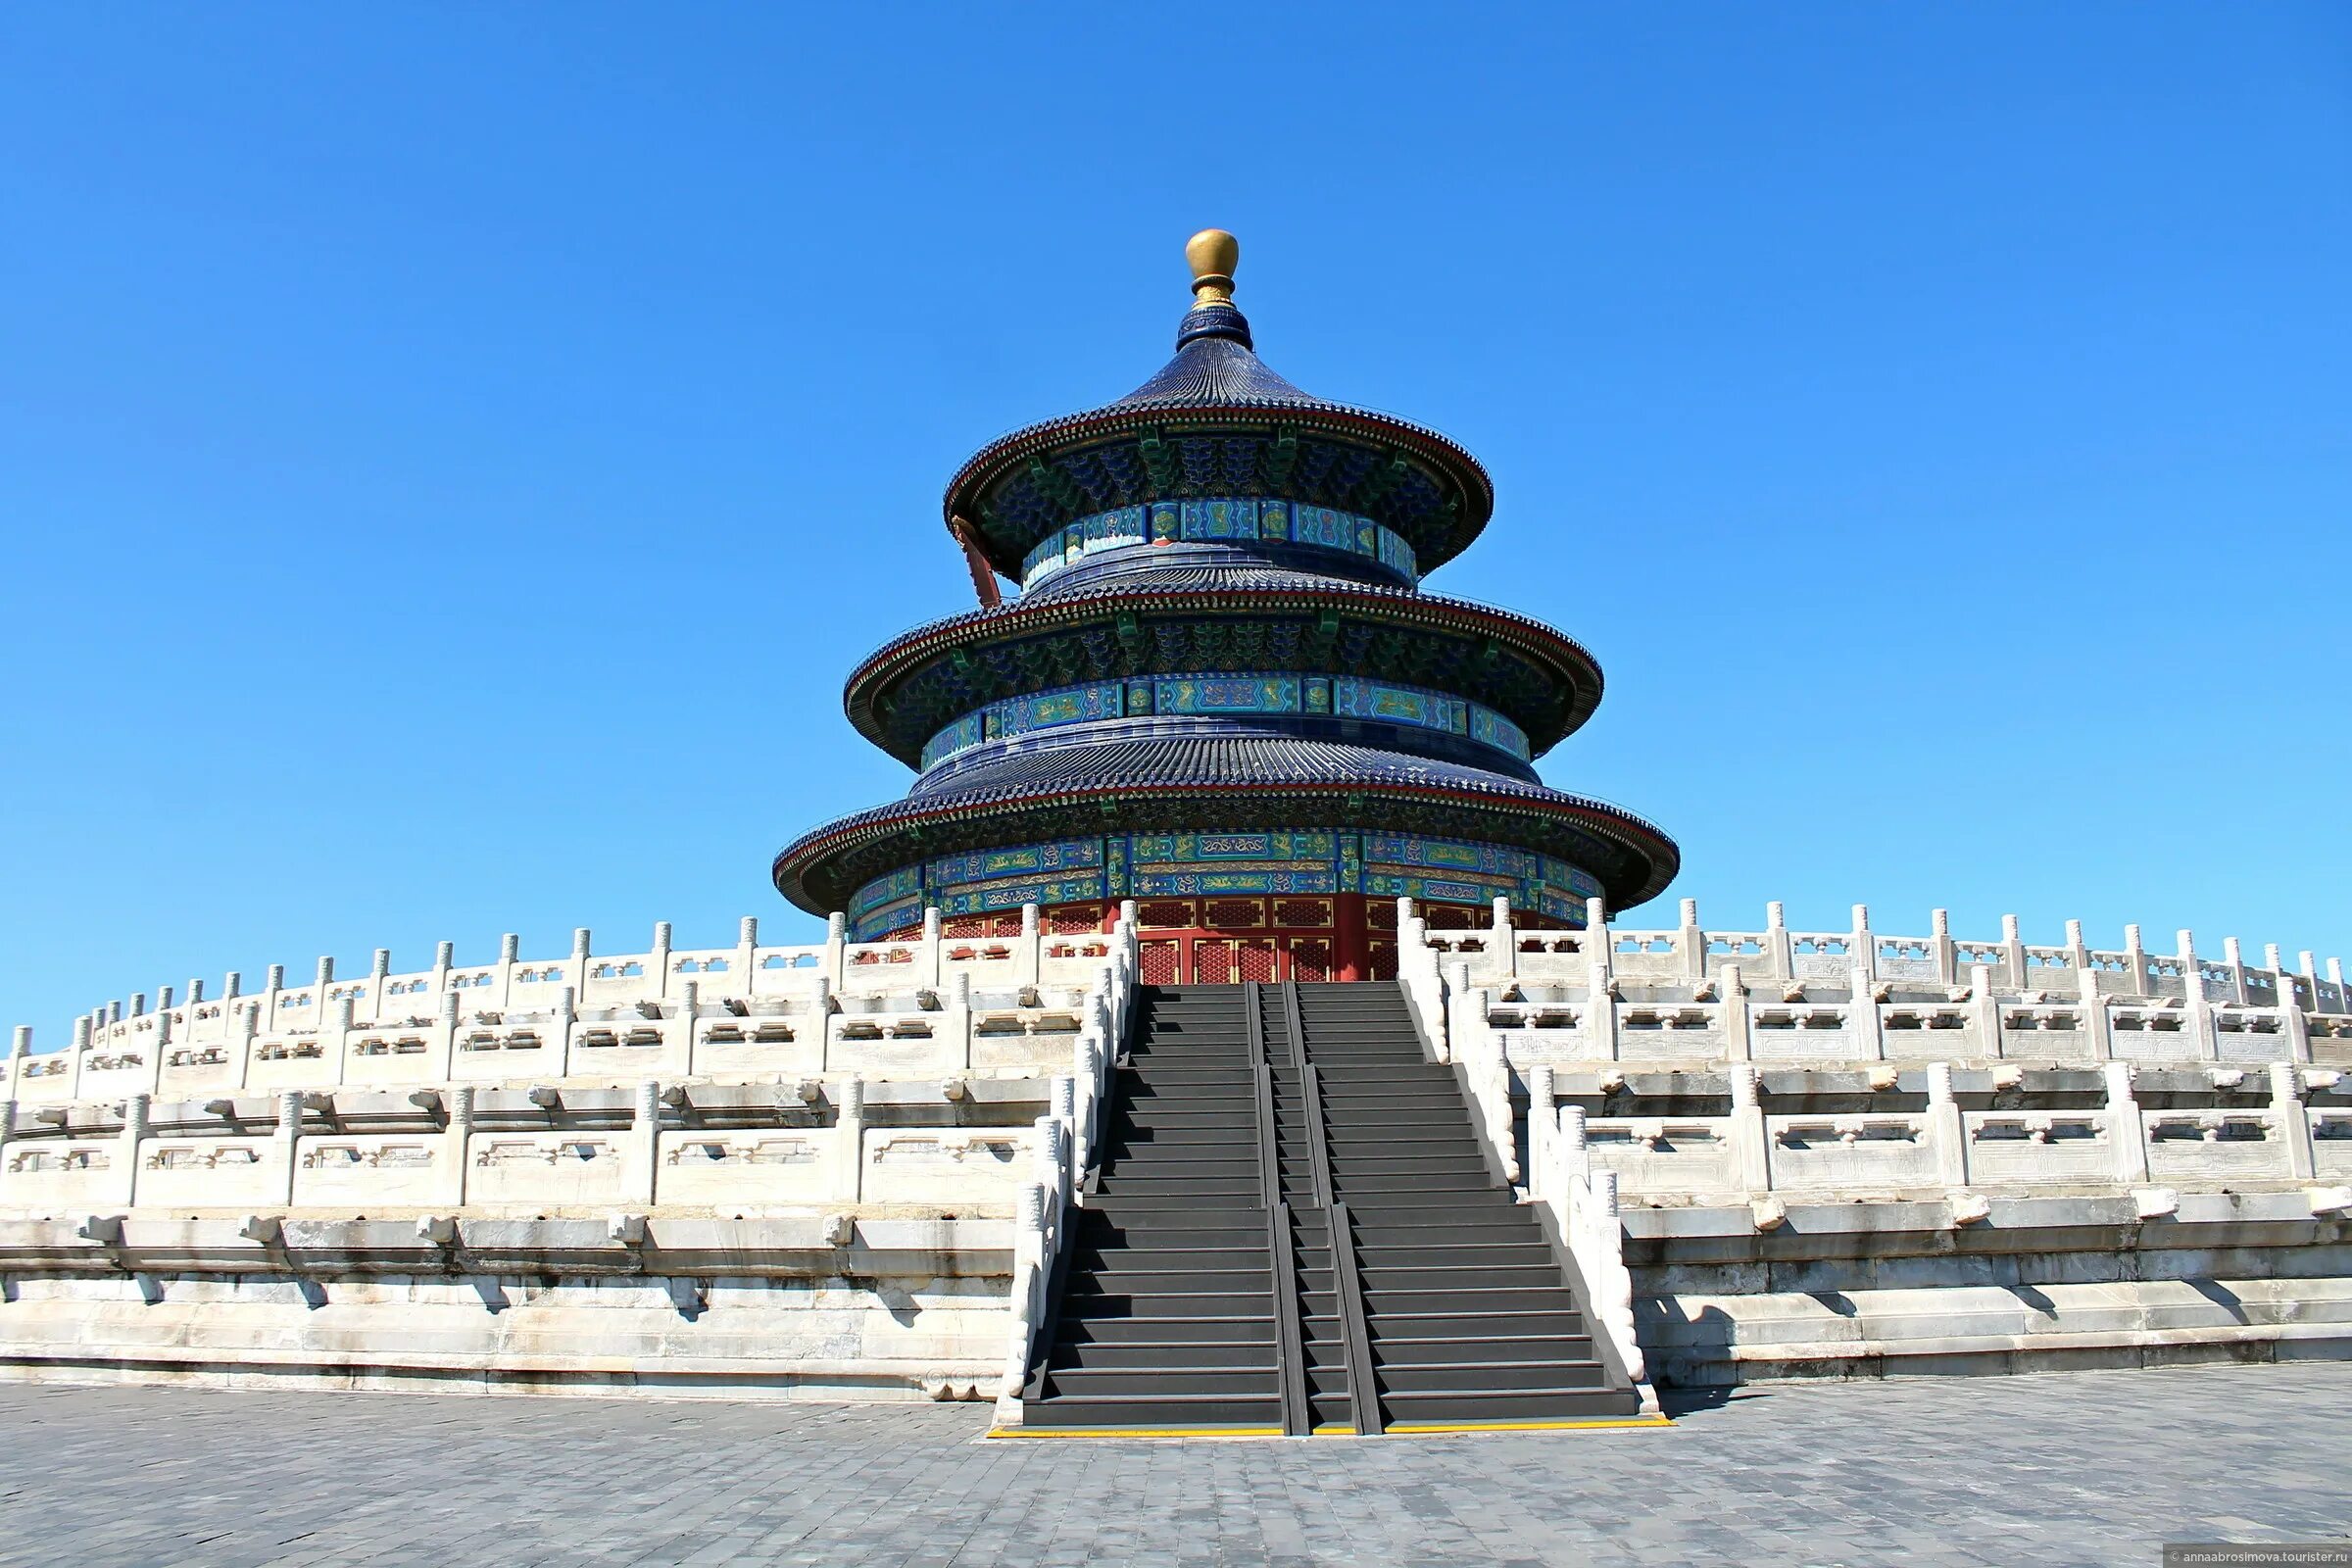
<point x="1069" y="1147"/>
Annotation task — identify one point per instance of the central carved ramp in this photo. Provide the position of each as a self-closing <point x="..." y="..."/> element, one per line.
<point x="1295" y="1207"/>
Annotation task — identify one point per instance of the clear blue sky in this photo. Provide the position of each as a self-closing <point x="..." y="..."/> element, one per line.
<point x="450" y="457"/>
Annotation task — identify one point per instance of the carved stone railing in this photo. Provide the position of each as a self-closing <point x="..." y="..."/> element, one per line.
<point x="1069" y="1145"/>
<point x="1685" y="995"/>
<point x="928" y="1005"/>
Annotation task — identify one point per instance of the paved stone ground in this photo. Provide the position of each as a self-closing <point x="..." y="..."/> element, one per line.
<point x="2092" y="1468"/>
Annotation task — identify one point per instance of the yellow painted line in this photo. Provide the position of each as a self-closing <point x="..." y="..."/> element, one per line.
<point x="1401" y="1429"/>
<point x="1135" y="1432"/>
<point x="1424" y="1429"/>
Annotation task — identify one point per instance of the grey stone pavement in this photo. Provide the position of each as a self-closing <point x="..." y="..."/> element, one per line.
<point x="2087" y="1467"/>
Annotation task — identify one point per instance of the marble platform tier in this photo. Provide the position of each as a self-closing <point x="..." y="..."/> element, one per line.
<point x="754" y="1170"/>
<point x="1806" y="1154"/>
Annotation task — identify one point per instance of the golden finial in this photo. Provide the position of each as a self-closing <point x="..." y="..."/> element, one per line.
<point x="1213" y="255"/>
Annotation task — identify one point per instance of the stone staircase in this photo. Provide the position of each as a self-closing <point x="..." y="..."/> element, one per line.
<point x="1295" y="1231"/>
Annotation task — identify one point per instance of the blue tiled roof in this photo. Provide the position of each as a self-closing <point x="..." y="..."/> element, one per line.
<point x="1216" y="368"/>
<point x="1219" y="759"/>
<point x="1093" y="578"/>
<point x="1643" y="859"/>
<point x="1218" y="372"/>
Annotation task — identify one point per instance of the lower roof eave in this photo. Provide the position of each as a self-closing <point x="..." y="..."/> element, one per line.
<point x="1658" y="857"/>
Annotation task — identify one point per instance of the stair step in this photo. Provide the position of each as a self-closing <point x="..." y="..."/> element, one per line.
<point x="1152" y="1212"/>
<point x="1507" y="1223"/>
<point x="1134" y="1280"/>
<point x="1226" y="1228"/>
<point x="1183" y="1411"/>
<point x="1423" y="1186"/>
<point x="1566" y="1404"/>
<point x="1167" y="1329"/>
<point x="1399" y="1352"/>
<point x="1423" y="1302"/>
<point x="1378" y="1193"/>
<point x="1454" y="1255"/>
<point x="1090" y="1303"/>
<point x="1142" y="1355"/>
<point x="1456" y="1377"/>
<point x="1466" y="1324"/>
<point x="1228" y="1381"/>
<point x="1472" y="1282"/>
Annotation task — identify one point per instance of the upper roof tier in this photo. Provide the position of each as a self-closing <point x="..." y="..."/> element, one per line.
<point x="1216" y="422"/>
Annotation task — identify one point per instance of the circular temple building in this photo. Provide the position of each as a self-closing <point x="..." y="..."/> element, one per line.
<point x="1219" y="691"/>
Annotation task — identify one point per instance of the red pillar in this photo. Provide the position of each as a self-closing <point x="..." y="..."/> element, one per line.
<point x="1352" y="954"/>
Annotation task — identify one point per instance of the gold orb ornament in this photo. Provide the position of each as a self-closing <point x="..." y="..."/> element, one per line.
<point x="1212" y="255"/>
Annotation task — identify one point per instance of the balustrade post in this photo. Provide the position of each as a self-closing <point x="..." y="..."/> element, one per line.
<point x="153" y="1071"/>
<point x="455" y="1154"/>
<point x="1611" y="1282"/>
<point x="288" y="1139"/>
<point x="1600" y="957"/>
<point x="2289" y="1121"/>
<point x="566" y="1010"/>
<point x="2095" y="1018"/>
<point x="1690" y="942"/>
<point x="2078" y="952"/>
<point x="1028" y="1288"/>
<point x="926" y="968"/>
<point x="576" y="968"/>
<point x="1086" y="1063"/>
<point x="1572" y="1151"/>
<point x="1542" y="1131"/>
<point x="661" y="960"/>
<point x="684" y="1015"/>
<point x="2201" y="1030"/>
<point x="1987" y="1008"/>
<point x="1946" y="1128"/>
<point x="1502" y="940"/>
<point x="1737" y="1040"/>
<point x="249" y="1026"/>
<point x="2233" y="960"/>
<point x="445" y="957"/>
<point x="380" y="970"/>
<point x="1750" y="1148"/>
<point x="1025" y="955"/>
<point x="509" y="954"/>
<point x="2124" y="1129"/>
<point x="2294" y="1028"/>
<point x="135" y="1132"/>
<point x="2013" y="952"/>
<point x="1778" y="951"/>
<point x="642" y="1171"/>
<point x="84" y="1042"/>
<point x="1866" y="1028"/>
<point x="1862" y="946"/>
<point x="334" y="1035"/>
<point x="849" y="1124"/>
<point x="744" y="973"/>
<point x="446" y="1026"/>
<point x="2135" y="958"/>
<point x="1941" y="949"/>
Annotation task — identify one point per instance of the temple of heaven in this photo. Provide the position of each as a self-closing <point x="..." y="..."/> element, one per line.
<point x="1218" y="691"/>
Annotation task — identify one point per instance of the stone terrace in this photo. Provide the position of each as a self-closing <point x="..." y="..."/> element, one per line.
<point x="2088" y="1468"/>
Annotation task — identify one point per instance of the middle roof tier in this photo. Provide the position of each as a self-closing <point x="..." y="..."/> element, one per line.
<point x="1194" y="612"/>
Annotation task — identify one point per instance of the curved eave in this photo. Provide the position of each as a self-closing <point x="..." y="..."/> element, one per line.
<point x="992" y="462"/>
<point x="898" y="659"/>
<point x="1658" y="857"/>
